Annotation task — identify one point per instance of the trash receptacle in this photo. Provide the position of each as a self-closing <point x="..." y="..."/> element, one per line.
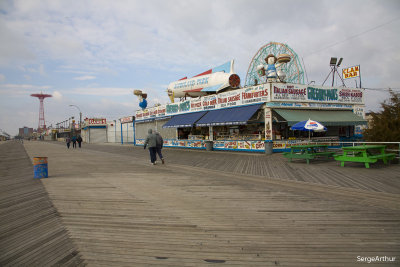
<point x="268" y="147"/>
<point x="209" y="145"/>
<point x="40" y="167"/>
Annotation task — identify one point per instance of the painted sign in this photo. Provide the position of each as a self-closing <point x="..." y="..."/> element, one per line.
<point x="255" y="94"/>
<point x="210" y="102"/>
<point x="303" y="94"/>
<point x="97" y="121"/>
<point x="281" y="95"/>
<point x="351" y="95"/>
<point x="161" y="110"/>
<point x="351" y="72"/>
<point x="139" y="115"/>
<point x="291" y="92"/>
<point x="196" y="104"/>
<point x="229" y="99"/>
<point x="126" y="119"/>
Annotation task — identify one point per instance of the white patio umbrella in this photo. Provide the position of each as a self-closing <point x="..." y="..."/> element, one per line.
<point x="310" y="126"/>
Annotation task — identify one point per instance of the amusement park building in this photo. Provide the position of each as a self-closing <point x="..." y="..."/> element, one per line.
<point x="262" y="112"/>
<point x="244" y="119"/>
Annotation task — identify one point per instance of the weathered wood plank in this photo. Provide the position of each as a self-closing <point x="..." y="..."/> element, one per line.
<point x="31" y="232"/>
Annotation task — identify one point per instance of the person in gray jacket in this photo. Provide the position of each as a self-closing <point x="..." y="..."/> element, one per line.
<point x="160" y="143"/>
<point x="151" y="142"/>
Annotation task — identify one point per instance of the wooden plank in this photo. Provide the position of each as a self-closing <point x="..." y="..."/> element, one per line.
<point x="30" y="231"/>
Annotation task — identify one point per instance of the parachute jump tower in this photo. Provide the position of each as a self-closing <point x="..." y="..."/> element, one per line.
<point x="42" y="123"/>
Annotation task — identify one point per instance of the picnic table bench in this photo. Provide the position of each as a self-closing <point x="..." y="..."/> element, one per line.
<point x="308" y="152"/>
<point x="366" y="154"/>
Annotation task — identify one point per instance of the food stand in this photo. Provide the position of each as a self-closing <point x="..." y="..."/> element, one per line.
<point x="212" y="108"/>
<point x="244" y="118"/>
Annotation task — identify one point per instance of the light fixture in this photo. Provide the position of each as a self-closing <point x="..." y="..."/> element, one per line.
<point x="333" y="61"/>
<point x="340" y="62"/>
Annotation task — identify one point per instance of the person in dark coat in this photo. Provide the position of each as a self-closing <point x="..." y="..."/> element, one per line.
<point x="79" y="140"/>
<point x="74" y="141"/>
<point x="151" y="142"/>
<point x="68" y="141"/>
<point x="160" y="143"/>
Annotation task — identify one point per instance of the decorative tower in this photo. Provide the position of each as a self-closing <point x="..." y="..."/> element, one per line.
<point x="42" y="123"/>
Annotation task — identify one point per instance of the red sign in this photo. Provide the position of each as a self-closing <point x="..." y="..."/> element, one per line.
<point x="127" y="119"/>
<point x="97" y="121"/>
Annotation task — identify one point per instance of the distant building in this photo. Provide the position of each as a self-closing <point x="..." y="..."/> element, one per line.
<point x="25" y="132"/>
<point x="4" y="136"/>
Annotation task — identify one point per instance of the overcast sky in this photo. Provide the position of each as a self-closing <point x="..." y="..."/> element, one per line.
<point x="93" y="54"/>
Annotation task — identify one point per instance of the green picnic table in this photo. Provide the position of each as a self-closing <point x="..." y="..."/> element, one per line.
<point x="365" y="153"/>
<point x="308" y="152"/>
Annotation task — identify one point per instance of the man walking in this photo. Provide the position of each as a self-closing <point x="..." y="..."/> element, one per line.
<point x="151" y="142"/>
<point x="74" y="141"/>
<point x="160" y="143"/>
<point x="79" y="140"/>
<point x="68" y="141"/>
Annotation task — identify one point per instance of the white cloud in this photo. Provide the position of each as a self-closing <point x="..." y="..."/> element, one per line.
<point x="57" y="95"/>
<point x="101" y="91"/>
<point x="84" y="78"/>
<point x="2" y="77"/>
<point x="17" y="90"/>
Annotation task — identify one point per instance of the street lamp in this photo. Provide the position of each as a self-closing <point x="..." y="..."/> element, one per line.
<point x="80" y="116"/>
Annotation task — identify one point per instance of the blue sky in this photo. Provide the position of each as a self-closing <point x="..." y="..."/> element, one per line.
<point x="93" y="54"/>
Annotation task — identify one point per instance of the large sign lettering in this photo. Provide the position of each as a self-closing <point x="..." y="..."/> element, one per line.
<point x="351" y="72"/>
<point x="255" y="94"/>
<point x="97" y="121"/>
<point x="274" y="95"/>
<point x="291" y="92"/>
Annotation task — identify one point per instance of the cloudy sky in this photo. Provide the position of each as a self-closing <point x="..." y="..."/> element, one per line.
<point x="93" y="54"/>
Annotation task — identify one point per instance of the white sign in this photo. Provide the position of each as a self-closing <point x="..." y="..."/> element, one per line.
<point x="322" y="94"/>
<point x="126" y="119"/>
<point x="289" y="92"/>
<point x="229" y="99"/>
<point x="281" y="94"/>
<point x="255" y="94"/>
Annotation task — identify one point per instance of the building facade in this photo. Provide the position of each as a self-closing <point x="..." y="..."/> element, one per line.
<point x="244" y="119"/>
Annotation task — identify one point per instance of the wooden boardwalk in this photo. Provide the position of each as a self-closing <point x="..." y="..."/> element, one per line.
<point x="379" y="178"/>
<point x="206" y="208"/>
<point x="31" y="232"/>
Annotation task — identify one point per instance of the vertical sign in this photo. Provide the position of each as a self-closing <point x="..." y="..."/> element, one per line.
<point x="268" y="123"/>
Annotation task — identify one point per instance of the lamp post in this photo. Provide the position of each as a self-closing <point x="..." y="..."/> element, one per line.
<point x="80" y="116"/>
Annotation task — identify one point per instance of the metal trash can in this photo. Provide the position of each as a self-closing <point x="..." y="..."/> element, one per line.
<point x="40" y="167"/>
<point x="209" y="145"/>
<point x="268" y="147"/>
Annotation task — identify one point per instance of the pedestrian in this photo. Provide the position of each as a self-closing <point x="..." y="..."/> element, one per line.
<point x="68" y="141"/>
<point x="79" y="140"/>
<point x="151" y="142"/>
<point x="74" y="141"/>
<point x="160" y="143"/>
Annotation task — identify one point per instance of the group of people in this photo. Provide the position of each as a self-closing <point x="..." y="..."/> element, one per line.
<point x="155" y="143"/>
<point x="74" y="140"/>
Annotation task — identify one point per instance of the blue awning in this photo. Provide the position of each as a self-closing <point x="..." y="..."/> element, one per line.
<point x="228" y="116"/>
<point x="184" y="120"/>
